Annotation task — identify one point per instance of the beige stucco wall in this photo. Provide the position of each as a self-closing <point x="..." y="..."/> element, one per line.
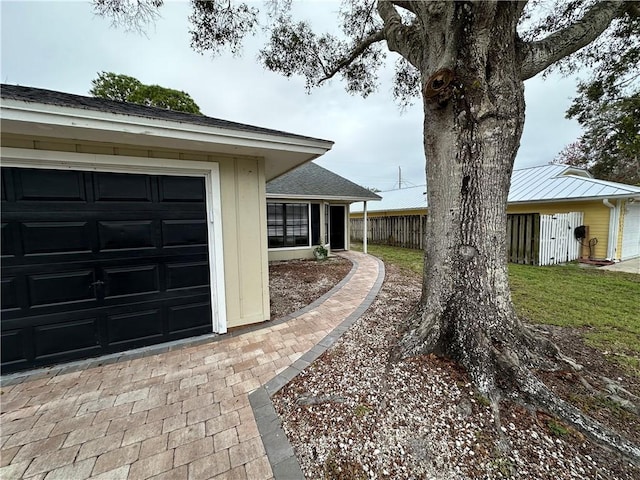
<point x="242" y="183"/>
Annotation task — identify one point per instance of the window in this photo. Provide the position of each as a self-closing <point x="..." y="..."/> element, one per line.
<point x="288" y="225"/>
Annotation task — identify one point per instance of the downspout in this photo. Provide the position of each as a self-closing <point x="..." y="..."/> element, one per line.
<point x="614" y="220"/>
<point x="364" y="227"/>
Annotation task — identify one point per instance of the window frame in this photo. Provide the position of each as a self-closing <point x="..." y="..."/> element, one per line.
<point x="284" y="225"/>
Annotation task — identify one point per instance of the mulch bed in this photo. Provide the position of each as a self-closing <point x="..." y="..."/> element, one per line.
<point x="353" y="415"/>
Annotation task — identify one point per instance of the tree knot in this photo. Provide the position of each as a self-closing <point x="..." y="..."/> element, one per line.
<point x="467" y="252"/>
<point x="440" y="86"/>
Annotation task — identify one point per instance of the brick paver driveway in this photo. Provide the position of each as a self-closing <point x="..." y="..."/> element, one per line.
<point x="183" y="414"/>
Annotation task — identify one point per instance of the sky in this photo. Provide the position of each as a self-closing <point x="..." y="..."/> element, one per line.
<point x="63" y="45"/>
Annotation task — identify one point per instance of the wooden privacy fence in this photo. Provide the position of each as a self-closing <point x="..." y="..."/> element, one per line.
<point x="523" y="238"/>
<point x="405" y="231"/>
<point x="532" y="239"/>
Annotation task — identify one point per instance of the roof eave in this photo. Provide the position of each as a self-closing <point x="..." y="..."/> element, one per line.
<point x="281" y="152"/>
<point x="339" y="198"/>
<point x="597" y="198"/>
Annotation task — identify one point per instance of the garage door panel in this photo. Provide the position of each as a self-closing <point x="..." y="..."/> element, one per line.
<point x="61" y="288"/>
<point x="181" y="189"/>
<point x="191" y="319"/>
<point x="13" y="347"/>
<point x="8" y="245"/>
<point x="131" y="280"/>
<point x="142" y="327"/>
<point x="4" y="180"/>
<point x="55" y="237"/>
<point x="126" y="235"/>
<point x="122" y="187"/>
<point x="9" y="293"/>
<point x="186" y="275"/>
<point x="68" y="338"/>
<point x="46" y="185"/>
<point x="184" y="232"/>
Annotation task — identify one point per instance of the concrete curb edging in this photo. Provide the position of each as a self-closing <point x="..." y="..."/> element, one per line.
<point x="284" y="463"/>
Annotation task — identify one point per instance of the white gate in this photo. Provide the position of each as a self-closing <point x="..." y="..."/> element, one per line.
<point x="557" y="242"/>
<point x="631" y="231"/>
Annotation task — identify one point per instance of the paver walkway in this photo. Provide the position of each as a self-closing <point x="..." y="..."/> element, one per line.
<point x="183" y="414"/>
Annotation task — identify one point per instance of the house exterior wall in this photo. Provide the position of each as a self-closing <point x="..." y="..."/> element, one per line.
<point x="243" y="211"/>
<point x="596" y="217"/>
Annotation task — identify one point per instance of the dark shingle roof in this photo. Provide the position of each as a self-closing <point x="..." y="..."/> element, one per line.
<point x="312" y="180"/>
<point x="51" y="97"/>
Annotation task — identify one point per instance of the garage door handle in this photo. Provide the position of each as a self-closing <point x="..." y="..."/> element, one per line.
<point x="98" y="286"/>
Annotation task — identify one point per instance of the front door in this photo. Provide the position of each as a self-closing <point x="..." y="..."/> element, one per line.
<point x="337" y="227"/>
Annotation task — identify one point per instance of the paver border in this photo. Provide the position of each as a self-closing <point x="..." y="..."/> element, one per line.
<point x="284" y="463"/>
<point x="52" y="371"/>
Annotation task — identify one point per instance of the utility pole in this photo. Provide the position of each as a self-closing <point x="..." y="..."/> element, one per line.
<point x="399" y="178"/>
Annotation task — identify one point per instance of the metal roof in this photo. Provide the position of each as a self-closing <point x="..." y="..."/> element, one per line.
<point x="561" y="182"/>
<point x="313" y="181"/>
<point x="546" y="183"/>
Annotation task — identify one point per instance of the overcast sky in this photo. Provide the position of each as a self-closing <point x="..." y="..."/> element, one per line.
<point x="63" y="45"/>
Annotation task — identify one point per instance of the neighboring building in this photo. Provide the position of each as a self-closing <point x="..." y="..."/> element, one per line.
<point x="610" y="210"/>
<point x="307" y="207"/>
<point x="124" y="225"/>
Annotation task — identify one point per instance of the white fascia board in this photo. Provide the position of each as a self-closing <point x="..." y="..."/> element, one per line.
<point x="53" y="116"/>
<point x="578" y="199"/>
<point x="326" y="198"/>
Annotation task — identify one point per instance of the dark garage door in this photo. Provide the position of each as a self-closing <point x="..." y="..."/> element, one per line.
<point x="94" y="263"/>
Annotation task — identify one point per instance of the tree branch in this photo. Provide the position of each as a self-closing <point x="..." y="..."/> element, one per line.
<point x="538" y="55"/>
<point x="409" y="6"/>
<point x="397" y="34"/>
<point x="355" y="53"/>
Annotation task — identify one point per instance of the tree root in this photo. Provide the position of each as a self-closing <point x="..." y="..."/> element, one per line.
<point x="538" y="394"/>
<point x="501" y="363"/>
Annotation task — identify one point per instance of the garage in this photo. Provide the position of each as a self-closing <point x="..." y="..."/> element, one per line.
<point x="631" y="231"/>
<point x="100" y="262"/>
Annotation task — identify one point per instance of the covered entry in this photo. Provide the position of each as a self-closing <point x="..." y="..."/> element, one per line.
<point x="100" y="262"/>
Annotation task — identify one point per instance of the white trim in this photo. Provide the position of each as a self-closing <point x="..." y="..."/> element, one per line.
<point x="364" y="228"/>
<point x="328" y="198"/>
<point x="614" y="224"/>
<point x="25" y="158"/>
<point x="284" y="249"/>
<point x="59" y="116"/>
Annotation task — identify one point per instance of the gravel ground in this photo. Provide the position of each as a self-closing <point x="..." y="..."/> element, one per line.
<point x="295" y="284"/>
<point x="352" y="415"/>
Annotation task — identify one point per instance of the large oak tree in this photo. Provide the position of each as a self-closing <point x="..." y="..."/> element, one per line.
<point x="468" y="60"/>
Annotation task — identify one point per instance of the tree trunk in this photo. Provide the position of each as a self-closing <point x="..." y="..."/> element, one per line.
<point x="474" y="116"/>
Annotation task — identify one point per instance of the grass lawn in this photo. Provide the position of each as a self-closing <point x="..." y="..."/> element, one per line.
<point x="604" y="305"/>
